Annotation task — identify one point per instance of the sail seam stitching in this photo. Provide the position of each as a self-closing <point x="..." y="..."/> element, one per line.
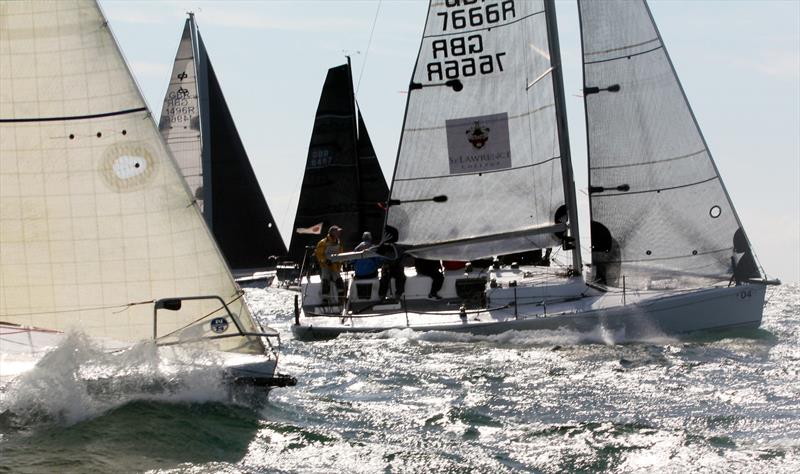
<point x="74" y="117"/>
<point x="648" y="162"/>
<point x="482" y="172"/>
<point x="709" y="252"/>
<point x="485" y="28"/>
<point x="595" y="53"/>
<point x="625" y="56"/>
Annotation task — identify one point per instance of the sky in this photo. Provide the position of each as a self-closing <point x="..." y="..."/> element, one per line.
<point x="738" y="61"/>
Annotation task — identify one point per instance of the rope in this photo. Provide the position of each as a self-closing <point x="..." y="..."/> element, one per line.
<point x="369" y="43"/>
<point x="121" y="308"/>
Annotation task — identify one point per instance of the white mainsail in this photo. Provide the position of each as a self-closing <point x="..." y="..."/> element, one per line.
<point x="180" y="116"/>
<point x="95" y="218"/>
<point x="660" y="211"/>
<point x="479" y="171"/>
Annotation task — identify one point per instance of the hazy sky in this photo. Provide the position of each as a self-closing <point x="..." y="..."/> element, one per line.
<point x="739" y="63"/>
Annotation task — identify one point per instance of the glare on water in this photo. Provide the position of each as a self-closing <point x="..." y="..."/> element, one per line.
<point x="406" y="401"/>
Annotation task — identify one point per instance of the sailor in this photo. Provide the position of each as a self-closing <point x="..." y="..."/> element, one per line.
<point x="328" y="270"/>
<point x="431" y="268"/>
<point x="365" y="268"/>
<point x="392" y="265"/>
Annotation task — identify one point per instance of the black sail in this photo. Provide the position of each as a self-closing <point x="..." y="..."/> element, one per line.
<point x="198" y="127"/>
<point x="661" y="216"/>
<point x="334" y="190"/>
<point x="242" y="222"/>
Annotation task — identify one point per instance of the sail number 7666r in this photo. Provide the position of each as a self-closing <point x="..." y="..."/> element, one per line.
<point x="480" y="15"/>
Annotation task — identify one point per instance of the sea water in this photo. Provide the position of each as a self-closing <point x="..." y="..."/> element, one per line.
<point x="402" y="401"/>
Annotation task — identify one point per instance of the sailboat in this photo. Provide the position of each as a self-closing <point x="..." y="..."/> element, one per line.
<point x="343" y="183"/>
<point x="99" y="233"/>
<point x="199" y="130"/>
<point x="484" y="170"/>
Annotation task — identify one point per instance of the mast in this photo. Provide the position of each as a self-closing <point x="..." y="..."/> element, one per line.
<point x="357" y="160"/>
<point x="563" y="134"/>
<point x="201" y="68"/>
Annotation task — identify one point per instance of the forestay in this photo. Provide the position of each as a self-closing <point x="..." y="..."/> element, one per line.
<point x="480" y="135"/>
<point x="660" y="212"/>
<point x="95" y="218"/>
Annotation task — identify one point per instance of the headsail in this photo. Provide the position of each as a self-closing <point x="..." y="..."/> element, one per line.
<point x="343" y="183"/>
<point x="660" y="212"/>
<point x="479" y="171"/>
<point x="195" y="122"/>
<point x="95" y="218"/>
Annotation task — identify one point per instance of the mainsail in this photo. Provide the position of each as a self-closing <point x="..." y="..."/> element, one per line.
<point x="343" y="183"/>
<point x="660" y="212"/>
<point x="197" y="125"/>
<point x="96" y="220"/>
<point x="483" y="166"/>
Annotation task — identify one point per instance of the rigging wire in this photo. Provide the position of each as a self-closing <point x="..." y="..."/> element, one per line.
<point x="369" y="43"/>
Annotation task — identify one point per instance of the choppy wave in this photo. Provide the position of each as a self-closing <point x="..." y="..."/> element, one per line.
<point x="402" y="401"/>
<point x="77" y="380"/>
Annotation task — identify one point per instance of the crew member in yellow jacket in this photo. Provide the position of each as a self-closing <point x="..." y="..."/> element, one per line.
<point x="329" y="271"/>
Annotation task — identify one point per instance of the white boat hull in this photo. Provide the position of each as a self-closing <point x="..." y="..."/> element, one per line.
<point x="22" y="348"/>
<point x="631" y="317"/>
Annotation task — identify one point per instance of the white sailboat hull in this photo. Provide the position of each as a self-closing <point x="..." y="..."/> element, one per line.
<point x="23" y="348"/>
<point x="630" y="317"/>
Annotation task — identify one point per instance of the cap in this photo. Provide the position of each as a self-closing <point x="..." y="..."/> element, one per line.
<point x="334" y="228"/>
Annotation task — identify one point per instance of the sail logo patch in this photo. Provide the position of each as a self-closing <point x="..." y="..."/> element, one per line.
<point x="219" y="325"/>
<point x="478" y="135"/>
<point x="478" y="144"/>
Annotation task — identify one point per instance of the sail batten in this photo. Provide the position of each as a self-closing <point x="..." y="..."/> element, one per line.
<point x="659" y="208"/>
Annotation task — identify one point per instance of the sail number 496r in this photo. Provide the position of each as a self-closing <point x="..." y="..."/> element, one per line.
<point x="480" y="15"/>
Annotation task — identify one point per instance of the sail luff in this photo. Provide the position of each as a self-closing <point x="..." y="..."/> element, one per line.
<point x="200" y="68"/>
<point x="563" y="134"/>
<point x="356" y="157"/>
<point x="409" y="91"/>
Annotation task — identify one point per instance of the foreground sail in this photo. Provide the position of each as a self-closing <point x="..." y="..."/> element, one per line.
<point x="98" y="231"/>
<point x="660" y="212"/>
<point x="343" y="183"/>
<point x="199" y="130"/>
<point x="483" y="170"/>
<point x="483" y="167"/>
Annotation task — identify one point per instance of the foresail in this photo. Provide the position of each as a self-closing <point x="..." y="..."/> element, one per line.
<point x="180" y="116"/>
<point x="96" y="221"/>
<point x="479" y="157"/>
<point x="330" y="190"/>
<point x="660" y="213"/>
<point x="241" y="221"/>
